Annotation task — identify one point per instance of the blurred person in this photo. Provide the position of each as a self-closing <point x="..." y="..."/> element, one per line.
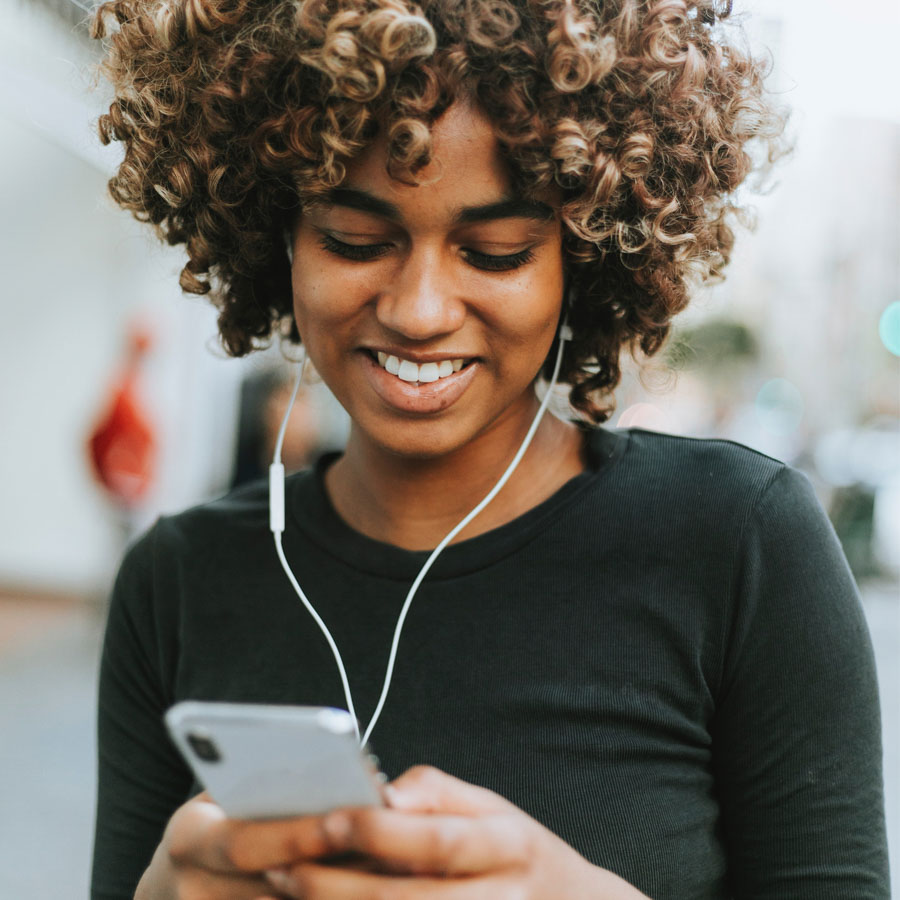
<point x="642" y="669"/>
<point x="122" y="445"/>
<point x="264" y="403"/>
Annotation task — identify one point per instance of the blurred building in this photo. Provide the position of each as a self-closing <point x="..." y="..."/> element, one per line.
<point x="806" y="291"/>
<point x="78" y="272"/>
<point x="786" y="356"/>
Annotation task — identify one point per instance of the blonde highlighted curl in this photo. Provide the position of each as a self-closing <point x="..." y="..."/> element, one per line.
<point x="643" y="113"/>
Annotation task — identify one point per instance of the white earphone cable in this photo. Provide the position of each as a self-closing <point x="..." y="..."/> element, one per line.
<point x="279" y="443"/>
<point x="455" y="531"/>
<point x="323" y="627"/>
<point x="276" y="524"/>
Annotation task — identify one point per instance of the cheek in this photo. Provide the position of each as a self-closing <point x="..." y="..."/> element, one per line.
<point x="323" y="298"/>
<point x="527" y="308"/>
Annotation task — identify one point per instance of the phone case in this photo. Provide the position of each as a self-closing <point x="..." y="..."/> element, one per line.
<point x="259" y="761"/>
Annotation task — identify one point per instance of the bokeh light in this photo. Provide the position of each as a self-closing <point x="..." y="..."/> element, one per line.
<point x="869" y="455"/>
<point x="889" y="328"/>
<point x="779" y="406"/>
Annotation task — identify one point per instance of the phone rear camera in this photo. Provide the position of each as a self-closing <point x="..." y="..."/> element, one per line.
<point x="204" y="747"/>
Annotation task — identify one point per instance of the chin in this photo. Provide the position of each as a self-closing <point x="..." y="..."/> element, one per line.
<point x="421" y="447"/>
<point x="431" y="437"/>
<point x="418" y="440"/>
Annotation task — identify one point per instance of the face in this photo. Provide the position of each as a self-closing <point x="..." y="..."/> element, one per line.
<point x="429" y="309"/>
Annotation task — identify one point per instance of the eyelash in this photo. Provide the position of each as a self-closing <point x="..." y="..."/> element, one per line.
<point x="485" y="261"/>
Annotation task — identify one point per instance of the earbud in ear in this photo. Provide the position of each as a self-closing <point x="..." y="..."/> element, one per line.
<point x="565" y="330"/>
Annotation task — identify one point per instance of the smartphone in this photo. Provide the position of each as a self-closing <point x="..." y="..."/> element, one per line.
<point x="266" y="762"/>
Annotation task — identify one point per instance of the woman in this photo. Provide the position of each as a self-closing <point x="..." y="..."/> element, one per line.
<point x="642" y="669"/>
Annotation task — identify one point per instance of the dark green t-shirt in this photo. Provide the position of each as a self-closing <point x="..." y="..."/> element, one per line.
<point x="666" y="663"/>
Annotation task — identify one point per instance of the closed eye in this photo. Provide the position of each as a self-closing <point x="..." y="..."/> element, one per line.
<point x="493" y="263"/>
<point x="486" y="261"/>
<point x="358" y="252"/>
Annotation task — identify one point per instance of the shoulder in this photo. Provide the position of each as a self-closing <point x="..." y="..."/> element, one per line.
<point x="736" y="510"/>
<point x="175" y="543"/>
<point x="245" y="508"/>
<point x="222" y="533"/>
<point x="701" y="488"/>
<point x="691" y="469"/>
<point x="682" y="460"/>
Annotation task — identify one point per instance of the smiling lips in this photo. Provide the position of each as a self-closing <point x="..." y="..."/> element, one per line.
<point x="421" y="373"/>
<point x="418" y="388"/>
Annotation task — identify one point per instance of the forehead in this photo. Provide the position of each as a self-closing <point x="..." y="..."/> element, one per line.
<point x="467" y="169"/>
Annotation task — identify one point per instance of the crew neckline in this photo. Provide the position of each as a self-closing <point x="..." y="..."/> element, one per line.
<point x="310" y="508"/>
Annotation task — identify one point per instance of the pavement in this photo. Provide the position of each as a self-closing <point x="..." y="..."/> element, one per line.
<point x="48" y="670"/>
<point x="48" y="666"/>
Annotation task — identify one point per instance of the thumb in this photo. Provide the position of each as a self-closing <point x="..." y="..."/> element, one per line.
<point x="426" y="789"/>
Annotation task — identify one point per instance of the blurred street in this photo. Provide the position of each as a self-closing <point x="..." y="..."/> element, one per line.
<point x="48" y="661"/>
<point x="48" y="654"/>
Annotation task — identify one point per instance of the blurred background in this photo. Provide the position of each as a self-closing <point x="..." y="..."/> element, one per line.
<point x="116" y="403"/>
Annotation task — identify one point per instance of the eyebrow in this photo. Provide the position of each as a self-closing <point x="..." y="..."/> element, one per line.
<point x="506" y="208"/>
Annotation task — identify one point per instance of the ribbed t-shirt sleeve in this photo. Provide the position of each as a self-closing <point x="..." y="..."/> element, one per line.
<point x="141" y="779"/>
<point x="797" y="734"/>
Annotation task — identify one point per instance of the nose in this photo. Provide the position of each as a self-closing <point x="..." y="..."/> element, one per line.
<point x="422" y="301"/>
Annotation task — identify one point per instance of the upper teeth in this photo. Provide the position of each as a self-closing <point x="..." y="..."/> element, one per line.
<point x="410" y="371"/>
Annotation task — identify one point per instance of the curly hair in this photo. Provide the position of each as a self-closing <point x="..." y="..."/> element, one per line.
<point x="642" y="113"/>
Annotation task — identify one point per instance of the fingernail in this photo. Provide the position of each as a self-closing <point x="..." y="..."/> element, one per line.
<point x="281" y="881"/>
<point x="338" y="827"/>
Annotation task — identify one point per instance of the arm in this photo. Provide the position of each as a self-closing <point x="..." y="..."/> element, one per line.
<point x="796" y="736"/>
<point x="149" y="843"/>
<point x="141" y="780"/>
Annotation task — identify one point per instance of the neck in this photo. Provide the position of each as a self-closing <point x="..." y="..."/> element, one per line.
<point x="413" y="503"/>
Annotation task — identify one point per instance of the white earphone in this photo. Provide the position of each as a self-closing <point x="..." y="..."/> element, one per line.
<point x="276" y="525"/>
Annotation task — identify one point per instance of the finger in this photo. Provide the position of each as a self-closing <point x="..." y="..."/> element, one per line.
<point x="310" y="881"/>
<point x="201" y="835"/>
<point x="427" y="789"/>
<point x="432" y="843"/>
<point x="197" y="834"/>
<point x="197" y="883"/>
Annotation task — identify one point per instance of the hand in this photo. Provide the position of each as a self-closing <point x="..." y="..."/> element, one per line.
<point x="441" y="838"/>
<point x="204" y="854"/>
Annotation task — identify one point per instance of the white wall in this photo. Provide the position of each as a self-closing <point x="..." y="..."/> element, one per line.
<point x="75" y="272"/>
